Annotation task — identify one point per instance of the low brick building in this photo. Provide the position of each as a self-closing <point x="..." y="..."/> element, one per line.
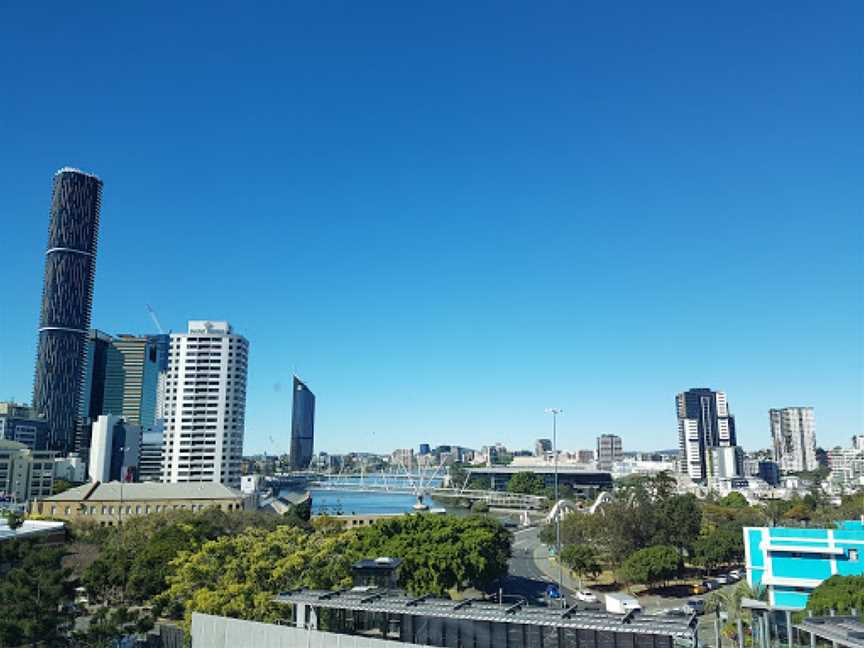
<point x="110" y="502"/>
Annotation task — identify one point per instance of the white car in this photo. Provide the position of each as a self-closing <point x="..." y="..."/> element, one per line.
<point x="736" y="574"/>
<point x="723" y="580"/>
<point x="586" y="597"/>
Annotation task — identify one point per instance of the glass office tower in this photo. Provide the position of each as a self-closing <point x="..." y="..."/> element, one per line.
<point x="67" y="297"/>
<point x="302" y="426"/>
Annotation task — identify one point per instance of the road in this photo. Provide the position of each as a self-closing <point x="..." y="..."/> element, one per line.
<point x="524" y="578"/>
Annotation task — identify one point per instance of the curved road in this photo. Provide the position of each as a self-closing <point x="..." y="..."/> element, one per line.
<point x="525" y="578"/>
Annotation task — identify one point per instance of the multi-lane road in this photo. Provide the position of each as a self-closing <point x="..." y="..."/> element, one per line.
<point x="524" y="578"/>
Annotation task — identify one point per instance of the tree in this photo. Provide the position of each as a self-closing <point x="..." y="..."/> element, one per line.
<point x="439" y="553"/>
<point x="238" y="575"/>
<point x="839" y="593"/>
<point x="527" y="483"/>
<point x="679" y="522"/>
<point x="582" y="559"/>
<point x="479" y="506"/>
<point x="734" y="500"/>
<point x="134" y="562"/>
<point x="14" y="519"/>
<point x="61" y="485"/>
<point x="799" y="512"/>
<point x="651" y="565"/>
<point x="32" y="593"/>
<point x="720" y="546"/>
<point x="109" y="624"/>
<point x="775" y="509"/>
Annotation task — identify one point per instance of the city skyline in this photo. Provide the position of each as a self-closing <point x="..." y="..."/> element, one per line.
<point x="445" y="243"/>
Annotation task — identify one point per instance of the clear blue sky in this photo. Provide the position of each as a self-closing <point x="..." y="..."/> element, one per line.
<point x="448" y="216"/>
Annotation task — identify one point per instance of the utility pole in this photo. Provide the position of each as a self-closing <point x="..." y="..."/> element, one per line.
<point x="555" y="411"/>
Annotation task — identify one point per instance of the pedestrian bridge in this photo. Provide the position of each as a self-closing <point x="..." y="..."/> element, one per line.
<point x="501" y="499"/>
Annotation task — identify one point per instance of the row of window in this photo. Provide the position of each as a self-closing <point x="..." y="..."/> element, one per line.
<point x="138" y="509"/>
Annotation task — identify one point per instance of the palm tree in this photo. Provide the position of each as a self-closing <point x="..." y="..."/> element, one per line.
<point x="729" y="600"/>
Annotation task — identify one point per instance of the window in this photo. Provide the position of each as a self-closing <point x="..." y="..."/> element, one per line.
<point x="853" y="555"/>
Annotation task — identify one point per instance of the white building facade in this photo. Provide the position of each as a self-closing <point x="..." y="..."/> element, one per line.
<point x="704" y="422"/>
<point x="205" y="404"/>
<point x="794" y="437"/>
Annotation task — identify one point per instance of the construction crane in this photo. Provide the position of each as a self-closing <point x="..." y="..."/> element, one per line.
<point x="155" y="319"/>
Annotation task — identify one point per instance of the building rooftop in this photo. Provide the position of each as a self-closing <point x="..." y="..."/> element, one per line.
<point x="78" y="171"/>
<point x="145" y="491"/>
<point x="397" y="602"/>
<point x="539" y="468"/>
<point x="5" y="444"/>
<point x="841" y="630"/>
<point x="384" y="563"/>
<point x="29" y="529"/>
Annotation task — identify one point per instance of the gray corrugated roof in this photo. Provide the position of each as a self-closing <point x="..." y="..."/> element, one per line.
<point x="397" y="602"/>
<point x="147" y="491"/>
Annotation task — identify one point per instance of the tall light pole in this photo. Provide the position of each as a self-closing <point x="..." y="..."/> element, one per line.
<point x="555" y="411"/>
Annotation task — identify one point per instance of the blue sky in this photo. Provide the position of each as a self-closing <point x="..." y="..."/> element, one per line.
<point x="448" y="216"/>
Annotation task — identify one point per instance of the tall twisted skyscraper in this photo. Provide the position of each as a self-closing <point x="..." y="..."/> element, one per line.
<point x="67" y="297"/>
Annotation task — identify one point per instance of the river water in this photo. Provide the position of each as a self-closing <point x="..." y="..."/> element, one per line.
<point x="334" y="501"/>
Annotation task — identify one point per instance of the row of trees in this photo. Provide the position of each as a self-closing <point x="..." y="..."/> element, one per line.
<point x="637" y="531"/>
<point x="646" y="532"/>
<point x="231" y="563"/>
<point x="238" y="575"/>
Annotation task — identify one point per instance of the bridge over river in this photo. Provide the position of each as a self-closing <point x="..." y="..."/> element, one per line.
<point x="407" y="484"/>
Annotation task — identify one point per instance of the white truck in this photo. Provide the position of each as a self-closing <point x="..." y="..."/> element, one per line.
<point x="621" y="603"/>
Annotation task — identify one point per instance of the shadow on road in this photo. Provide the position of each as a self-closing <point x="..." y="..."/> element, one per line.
<point x="514" y="586"/>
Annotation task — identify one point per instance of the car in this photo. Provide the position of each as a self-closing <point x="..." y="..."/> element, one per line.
<point x="676" y="612"/>
<point x="553" y="592"/>
<point x="710" y="584"/>
<point x="736" y="574"/>
<point x="695" y="606"/>
<point x="586" y="596"/>
<point x="698" y="588"/>
<point x="723" y="580"/>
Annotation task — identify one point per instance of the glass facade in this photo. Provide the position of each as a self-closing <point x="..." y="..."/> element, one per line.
<point x="302" y="426"/>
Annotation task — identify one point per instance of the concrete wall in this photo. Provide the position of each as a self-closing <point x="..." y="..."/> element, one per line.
<point x="221" y="632"/>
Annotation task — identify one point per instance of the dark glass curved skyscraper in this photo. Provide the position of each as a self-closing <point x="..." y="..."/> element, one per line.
<point x="67" y="297"/>
<point x="302" y="426"/>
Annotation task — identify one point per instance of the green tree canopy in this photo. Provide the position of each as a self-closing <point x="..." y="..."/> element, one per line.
<point x="651" y="565"/>
<point x="439" y="552"/>
<point x="582" y="559"/>
<point x="719" y="546"/>
<point x="238" y="575"/>
<point x="135" y="560"/>
<point x="32" y="592"/>
<point x="735" y="500"/>
<point x="839" y="593"/>
<point x="527" y="483"/>
<point x="679" y="522"/>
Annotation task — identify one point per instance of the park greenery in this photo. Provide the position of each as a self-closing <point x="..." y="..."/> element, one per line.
<point x="33" y="588"/>
<point x="838" y="594"/>
<point x="635" y="533"/>
<point x="167" y="565"/>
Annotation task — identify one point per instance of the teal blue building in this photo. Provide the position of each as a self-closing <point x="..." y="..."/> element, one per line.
<point x="791" y="563"/>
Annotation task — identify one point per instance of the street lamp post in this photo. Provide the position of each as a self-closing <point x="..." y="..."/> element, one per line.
<point x="555" y="411"/>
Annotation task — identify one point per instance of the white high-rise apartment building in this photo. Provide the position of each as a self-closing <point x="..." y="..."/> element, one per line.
<point x="205" y="404"/>
<point x="704" y="422"/>
<point x="794" y="436"/>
